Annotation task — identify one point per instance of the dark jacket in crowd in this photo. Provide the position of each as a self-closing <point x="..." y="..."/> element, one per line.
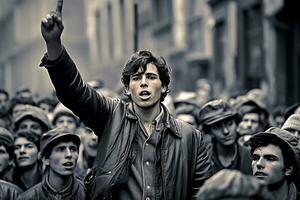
<point x="242" y="162"/>
<point x="44" y="191"/>
<point x="9" y="191"/>
<point x="184" y="161"/>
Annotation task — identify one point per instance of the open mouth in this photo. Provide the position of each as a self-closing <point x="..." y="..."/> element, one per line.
<point x="22" y="158"/>
<point x="260" y="175"/>
<point x="144" y="94"/>
<point x="68" y="164"/>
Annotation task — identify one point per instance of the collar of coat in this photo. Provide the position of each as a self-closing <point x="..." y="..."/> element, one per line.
<point x="169" y="122"/>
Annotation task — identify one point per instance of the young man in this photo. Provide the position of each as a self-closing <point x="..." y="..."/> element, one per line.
<point x="6" y="154"/>
<point x="59" y="152"/>
<point x="65" y="118"/>
<point x="254" y="119"/>
<point x="143" y="152"/>
<point x="31" y="118"/>
<point x="28" y="170"/>
<point x="274" y="161"/>
<point x="219" y="120"/>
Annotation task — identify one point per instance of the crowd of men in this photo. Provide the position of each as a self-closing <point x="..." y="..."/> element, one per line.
<point x="87" y="142"/>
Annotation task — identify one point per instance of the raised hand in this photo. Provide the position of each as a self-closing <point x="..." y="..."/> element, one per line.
<point x="51" y="29"/>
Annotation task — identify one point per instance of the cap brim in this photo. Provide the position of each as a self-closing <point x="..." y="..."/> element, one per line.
<point x="60" y="138"/>
<point x="219" y="118"/>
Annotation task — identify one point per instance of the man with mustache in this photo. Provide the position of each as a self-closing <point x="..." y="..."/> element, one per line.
<point x="274" y="161"/>
<point x="59" y="152"/>
<point x="143" y="151"/>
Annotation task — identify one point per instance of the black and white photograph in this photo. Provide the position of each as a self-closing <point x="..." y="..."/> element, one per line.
<point x="149" y="100"/>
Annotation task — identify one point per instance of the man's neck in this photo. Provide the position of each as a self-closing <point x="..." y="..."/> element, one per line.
<point x="59" y="182"/>
<point x="281" y="193"/>
<point x="29" y="176"/>
<point x="226" y="154"/>
<point x="147" y="115"/>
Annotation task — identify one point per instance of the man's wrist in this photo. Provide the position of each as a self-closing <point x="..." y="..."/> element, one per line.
<point x="54" y="50"/>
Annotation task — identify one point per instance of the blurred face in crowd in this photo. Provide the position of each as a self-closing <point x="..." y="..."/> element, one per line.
<point x="46" y="107"/>
<point x="4" y="158"/>
<point x="268" y="164"/>
<point x="62" y="159"/>
<point x="90" y="142"/>
<point x="26" y="152"/>
<point x="146" y="88"/>
<point x="4" y="107"/>
<point x="187" y="118"/>
<point x="224" y="131"/>
<point x="32" y="125"/>
<point x="250" y="122"/>
<point x="67" y="122"/>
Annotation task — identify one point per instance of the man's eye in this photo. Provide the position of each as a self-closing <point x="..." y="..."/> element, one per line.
<point x="255" y="157"/>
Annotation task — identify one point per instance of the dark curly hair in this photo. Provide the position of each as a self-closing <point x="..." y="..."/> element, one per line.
<point x="139" y="60"/>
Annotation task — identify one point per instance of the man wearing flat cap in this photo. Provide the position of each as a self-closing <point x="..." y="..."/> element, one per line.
<point x="59" y="152"/>
<point x="274" y="161"/>
<point x="219" y="120"/>
<point x="31" y="118"/>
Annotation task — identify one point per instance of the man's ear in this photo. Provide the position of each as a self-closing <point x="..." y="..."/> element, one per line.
<point x="45" y="160"/>
<point x="288" y="171"/>
<point x="164" y="89"/>
<point x="127" y="92"/>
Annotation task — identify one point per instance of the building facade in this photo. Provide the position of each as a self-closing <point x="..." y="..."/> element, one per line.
<point x="256" y="45"/>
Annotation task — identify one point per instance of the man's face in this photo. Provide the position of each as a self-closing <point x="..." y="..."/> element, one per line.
<point x="26" y="152"/>
<point x="90" y="142"/>
<point x="30" y="125"/>
<point x="63" y="158"/>
<point x="3" y="104"/>
<point x="66" y="122"/>
<point x="224" y="132"/>
<point x="4" y="158"/>
<point x="250" y="123"/>
<point x="46" y="107"/>
<point x="146" y="88"/>
<point x="268" y="164"/>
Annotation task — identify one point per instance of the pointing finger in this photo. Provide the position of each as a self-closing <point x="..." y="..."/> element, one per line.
<point x="59" y="7"/>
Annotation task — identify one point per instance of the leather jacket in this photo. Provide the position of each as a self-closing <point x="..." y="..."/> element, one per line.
<point x="184" y="160"/>
<point x="9" y="191"/>
<point x="43" y="191"/>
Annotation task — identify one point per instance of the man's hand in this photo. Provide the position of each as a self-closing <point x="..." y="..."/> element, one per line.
<point x="52" y="28"/>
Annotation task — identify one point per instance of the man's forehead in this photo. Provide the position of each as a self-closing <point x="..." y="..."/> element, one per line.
<point x="65" y="144"/>
<point x="150" y="68"/>
<point x="270" y="149"/>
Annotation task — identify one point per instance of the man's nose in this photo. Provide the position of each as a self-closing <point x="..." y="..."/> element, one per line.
<point x="260" y="163"/>
<point x="22" y="150"/>
<point x="68" y="153"/>
<point x="225" y="129"/>
<point x="143" y="80"/>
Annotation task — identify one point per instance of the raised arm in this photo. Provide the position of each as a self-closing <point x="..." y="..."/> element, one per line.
<point x="93" y="109"/>
<point x="52" y="28"/>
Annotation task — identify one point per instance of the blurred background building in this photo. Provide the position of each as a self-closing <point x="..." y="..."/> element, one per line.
<point x="237" y="45"/>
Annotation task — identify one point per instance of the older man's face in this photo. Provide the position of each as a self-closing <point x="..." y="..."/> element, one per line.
<point x="268" y="164"/>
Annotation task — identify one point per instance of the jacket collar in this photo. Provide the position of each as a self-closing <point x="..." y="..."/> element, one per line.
<point x="168" y="120"/>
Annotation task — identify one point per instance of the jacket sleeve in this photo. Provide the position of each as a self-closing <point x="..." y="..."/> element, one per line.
<point x="92" y="108"/>
<point x="203" y="169"/>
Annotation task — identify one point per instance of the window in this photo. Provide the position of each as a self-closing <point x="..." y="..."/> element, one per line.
<point x="163" y="11"/>
<point x="220" y="44"/>
<point x="110" y="31"/>
<point x="123" y="25"/>
<point x="98" y="33"/>
<point x="253" y="46"/>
